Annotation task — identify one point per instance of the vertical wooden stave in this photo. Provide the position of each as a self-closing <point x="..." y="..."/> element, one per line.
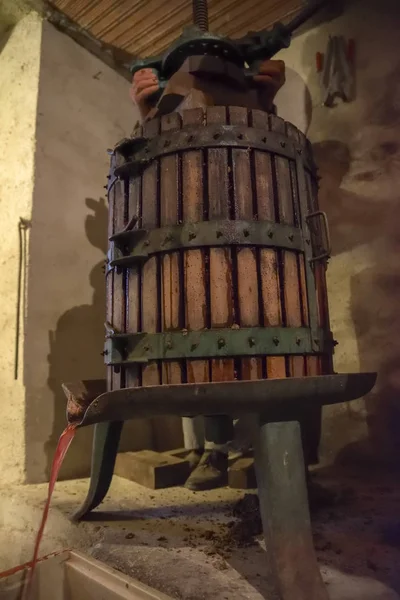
<point x="311" y="362"/>
<point x="315" y="365"/>
<point x="133" y="301"/>
<point x="149" y="276"/>
<point x="172" y="284"/>
<point x="196" y="311"/>
<point x="132" y="377"/>
<point x="195" y="268"/>
<point x="290" y="272"/>
<point x="110" y="271"/>
<point x="325" y="364"/>
<point x="118" y="322"/>
<point x="246" y="258"/>
<point x="221" y="285"/>
<point x="269" y="269"/>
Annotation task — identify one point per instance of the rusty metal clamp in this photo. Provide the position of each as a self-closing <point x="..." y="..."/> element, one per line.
<point x="326" y="254"/>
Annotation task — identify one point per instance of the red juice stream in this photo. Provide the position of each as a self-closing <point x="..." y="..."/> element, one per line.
<point x="62" y="447"/>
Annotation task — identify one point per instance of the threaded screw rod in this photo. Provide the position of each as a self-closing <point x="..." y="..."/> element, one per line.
<point x="200" y="14"/>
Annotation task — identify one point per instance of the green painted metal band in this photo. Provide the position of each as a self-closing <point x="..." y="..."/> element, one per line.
<point x="137" y="245"/>
<point x="135" y="154"/>
<point x="123" y="349"/>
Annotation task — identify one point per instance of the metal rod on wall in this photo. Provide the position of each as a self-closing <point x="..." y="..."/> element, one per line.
<point x="23" y="226"/>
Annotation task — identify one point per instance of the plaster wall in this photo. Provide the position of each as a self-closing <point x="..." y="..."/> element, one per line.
<point x="358" y="151"/>
<point x="61" y="108"/>
<point x="20" y="46"/>
<point x="83" y="109"/>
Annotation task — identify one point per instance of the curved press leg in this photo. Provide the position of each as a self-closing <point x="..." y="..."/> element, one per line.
<point x="104" y="453"/>
<point x="285" y="515"/>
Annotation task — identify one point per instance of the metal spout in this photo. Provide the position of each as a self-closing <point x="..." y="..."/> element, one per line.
<point x="80" y="395"/>
<point x="88" y="402"/>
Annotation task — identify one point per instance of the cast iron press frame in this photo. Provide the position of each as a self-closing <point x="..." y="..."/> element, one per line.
<point x="278" y="403"/>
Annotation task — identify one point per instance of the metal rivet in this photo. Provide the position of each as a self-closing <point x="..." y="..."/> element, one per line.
<point x="252" y="342"/>
<point x="246" y="233"/>
<point x="146" y="243"/>
<point x="219" y="234"/>
<point x="221" y="343"/>
<point x="167" y="239"/>
<point x="283" y="144"/>
<point x="270" y="234"/>
<point x="276" y="341"/>
<point x="192" y="235"/>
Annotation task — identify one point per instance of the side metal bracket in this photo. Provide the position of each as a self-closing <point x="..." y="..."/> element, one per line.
<point x="320" y="238"/>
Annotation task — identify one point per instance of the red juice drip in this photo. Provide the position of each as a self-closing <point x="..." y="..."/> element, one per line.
<point x="62" y="447"/>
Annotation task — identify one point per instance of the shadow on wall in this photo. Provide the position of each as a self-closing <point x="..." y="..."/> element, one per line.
<point x="76" y="346"/>
<point x="5" y="35"/>
<point x="375" y="292"/>
<point x="76" y="353"/>
<point x="359" y="161"/>
<point x="366" y="219"/>
<point x="300" y="112"/>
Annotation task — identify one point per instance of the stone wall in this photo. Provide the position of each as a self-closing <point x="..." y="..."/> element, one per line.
<point x="83" y="109"/>
<point x="19" y="76"/>
<point x="358" y="150"/>
<point x="61" y="108"/>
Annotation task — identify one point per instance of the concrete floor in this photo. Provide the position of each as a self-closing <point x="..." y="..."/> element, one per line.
<point x="166" y="538"/>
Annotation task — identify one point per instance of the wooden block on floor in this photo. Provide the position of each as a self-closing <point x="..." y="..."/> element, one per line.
<point x="241" y="474"/>
<point x="178" y="453"/>
<point x="154" y="470"/>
